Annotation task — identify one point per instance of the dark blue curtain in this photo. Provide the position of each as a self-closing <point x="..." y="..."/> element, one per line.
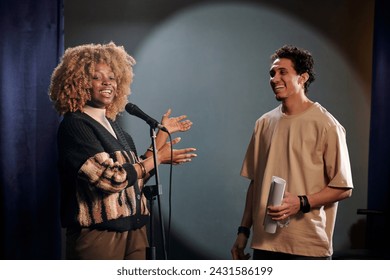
<point x="31" y="41"/>
<point x="379" y="158"/>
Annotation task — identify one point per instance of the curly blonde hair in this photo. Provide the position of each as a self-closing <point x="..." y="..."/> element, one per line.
<point x="71" y="80"/>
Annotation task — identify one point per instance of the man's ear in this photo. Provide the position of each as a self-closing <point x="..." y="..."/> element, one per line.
<point x="303" y="78"/>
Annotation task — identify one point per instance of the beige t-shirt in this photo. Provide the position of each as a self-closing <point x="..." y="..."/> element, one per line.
<point x="309" y="151"/>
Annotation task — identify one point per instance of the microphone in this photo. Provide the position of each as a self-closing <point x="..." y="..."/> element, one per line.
<point x="134" y="110"/>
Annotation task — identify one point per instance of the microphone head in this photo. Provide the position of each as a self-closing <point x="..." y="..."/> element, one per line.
<point x="134" y="110"/>
<point x="131" y="108"/>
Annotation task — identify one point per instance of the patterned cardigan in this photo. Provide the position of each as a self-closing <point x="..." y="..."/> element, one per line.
<point x="99" y="185"/>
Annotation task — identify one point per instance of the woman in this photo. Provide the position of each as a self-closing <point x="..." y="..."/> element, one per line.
<point x="101" y="174"/>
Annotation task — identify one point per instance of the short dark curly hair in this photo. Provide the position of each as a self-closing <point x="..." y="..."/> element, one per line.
<point x="71" y="79"/>
<point x="302" y="60"/>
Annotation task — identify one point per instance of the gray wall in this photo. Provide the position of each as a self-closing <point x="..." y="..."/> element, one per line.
<point x="210" y="60"/>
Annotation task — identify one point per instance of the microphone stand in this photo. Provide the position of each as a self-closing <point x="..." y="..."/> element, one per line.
<point x="151" y="192"/>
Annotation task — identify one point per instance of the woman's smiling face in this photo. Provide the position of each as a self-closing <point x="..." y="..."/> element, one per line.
<point x="104" y="86"/>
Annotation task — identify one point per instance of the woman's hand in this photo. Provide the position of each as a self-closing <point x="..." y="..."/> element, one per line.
<point x="172" y="124"/>
<point x="179" y="155"/>
<point x="175" y="124"/>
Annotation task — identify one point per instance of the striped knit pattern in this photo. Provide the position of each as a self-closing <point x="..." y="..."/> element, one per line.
<point x="108" y="196"/>
<point x="99" y="184"/>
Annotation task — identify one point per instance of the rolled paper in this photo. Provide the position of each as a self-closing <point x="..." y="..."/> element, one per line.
<point x="275" y="197"/>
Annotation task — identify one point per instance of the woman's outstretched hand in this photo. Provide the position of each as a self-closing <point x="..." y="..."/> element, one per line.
<point x="175" y="124"/>
<point x="180" y="156"/>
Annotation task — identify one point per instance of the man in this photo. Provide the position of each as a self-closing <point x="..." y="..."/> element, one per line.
<point x="301" y="142"/>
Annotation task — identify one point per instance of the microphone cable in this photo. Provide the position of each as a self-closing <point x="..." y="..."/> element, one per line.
<point x="170" y="197"/>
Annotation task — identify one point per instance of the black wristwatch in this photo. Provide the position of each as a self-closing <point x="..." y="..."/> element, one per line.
<point x="304" y="204"/>
<point x="246" y="231"/>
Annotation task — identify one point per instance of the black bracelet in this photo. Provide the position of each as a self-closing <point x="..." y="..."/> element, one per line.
<point x="304" y="205"/>
<point x="246" y="231"/>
